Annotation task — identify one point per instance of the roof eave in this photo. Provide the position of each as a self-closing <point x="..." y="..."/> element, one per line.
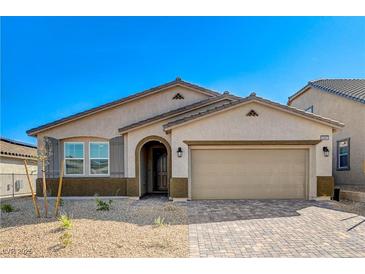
<point x="298" y="93"/>
<point x="333" y="124"/>
<point x="178" y="82"/>
<point x="23" y="157"/>
<point x="313" y="84"/>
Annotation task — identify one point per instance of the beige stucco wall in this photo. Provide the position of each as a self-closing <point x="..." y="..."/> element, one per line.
<point x="133" y="137"/>
<point x="352" y="114"/>
<point x="16" y="166"/>
<point x="105" y="124"/>
<point x="271" y="124"/>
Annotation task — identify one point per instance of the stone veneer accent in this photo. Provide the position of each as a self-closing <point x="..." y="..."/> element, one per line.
<point x="179" y="187"/>
<point x="325" y="186"/>
<point x="103" y="186"/>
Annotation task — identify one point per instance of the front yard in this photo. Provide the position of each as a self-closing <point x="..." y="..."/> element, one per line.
<point x="155" y="227"/>
<point x="126" y="230"/>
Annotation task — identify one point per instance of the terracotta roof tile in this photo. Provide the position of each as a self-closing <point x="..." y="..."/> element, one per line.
<point x="353" y="89"/>
<point x="11" y="148"/>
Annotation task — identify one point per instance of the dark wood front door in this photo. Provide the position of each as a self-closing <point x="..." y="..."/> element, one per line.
<point x="159" y="169"/>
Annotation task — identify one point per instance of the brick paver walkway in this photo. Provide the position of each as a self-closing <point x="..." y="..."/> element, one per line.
<point x="248" y="228"/>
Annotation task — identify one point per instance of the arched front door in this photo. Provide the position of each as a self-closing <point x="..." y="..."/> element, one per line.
<point x="159" y="169"/>
<point x="153" y="165"/>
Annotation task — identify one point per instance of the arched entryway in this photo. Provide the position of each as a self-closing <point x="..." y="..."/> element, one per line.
<point x="153" y="165"/>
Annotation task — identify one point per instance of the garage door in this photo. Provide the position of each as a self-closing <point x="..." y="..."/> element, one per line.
<point x="248" y="174"/>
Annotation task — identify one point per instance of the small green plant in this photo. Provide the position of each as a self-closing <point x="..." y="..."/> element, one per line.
<point x="66" y="239"/>
<point x="65" y="221"/>
<point x="159" y="221"/>
<point x="7" y="208"/>
<point x="103" y="206"/>
<point x="170" y="207"/>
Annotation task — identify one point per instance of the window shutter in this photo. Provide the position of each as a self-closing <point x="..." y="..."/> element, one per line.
<point x="117" y="157"/>
<point x="52" y="146"/>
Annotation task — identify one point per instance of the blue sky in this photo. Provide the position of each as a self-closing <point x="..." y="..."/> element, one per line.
<point x="52" y="67"/>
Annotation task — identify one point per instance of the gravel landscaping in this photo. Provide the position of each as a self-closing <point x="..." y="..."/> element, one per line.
<point x="350" y="206"/>
<point x="131" y="228"/>
<point x="127" y="230"/>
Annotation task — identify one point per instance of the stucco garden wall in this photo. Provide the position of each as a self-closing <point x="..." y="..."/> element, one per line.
<point x="16" y="166"/>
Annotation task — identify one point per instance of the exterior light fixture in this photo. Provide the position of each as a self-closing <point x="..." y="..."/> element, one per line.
<point x="326" y="152"/>
<point x="179" y="152"/>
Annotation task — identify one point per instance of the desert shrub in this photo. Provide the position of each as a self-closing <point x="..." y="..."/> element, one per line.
<point x="65" y="221"/>
<point x="66" y="239"/>
<point x="159" y="221"/>
<point x="170" y="207"/>
<point x="7" y="208"/>
<point x="103" y="206"/>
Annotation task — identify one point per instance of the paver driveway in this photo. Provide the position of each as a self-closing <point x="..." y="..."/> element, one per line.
<point x="272" y="228"/>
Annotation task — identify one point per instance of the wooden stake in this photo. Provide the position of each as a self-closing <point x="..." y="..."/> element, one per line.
<point x="36" y="208"/>
<point x="59" y="189"/>
<point x="44" y="188"/>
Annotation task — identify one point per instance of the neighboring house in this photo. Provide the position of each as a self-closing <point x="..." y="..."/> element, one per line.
<point x="12" y="171"/>
<point x="343" y="100"/>
<point x="189" y="142"/>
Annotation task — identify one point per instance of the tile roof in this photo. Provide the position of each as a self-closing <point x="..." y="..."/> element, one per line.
<point x="11" y="148"/>
<point x="178" y="111"/>
<point x="353" y="89"/>
<point x="176" y="82"/>
<point x="253" y="97"/>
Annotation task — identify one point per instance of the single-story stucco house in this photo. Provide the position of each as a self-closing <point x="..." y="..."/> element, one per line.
<point x="343" y="100"/>
<point x="190" y="142"/>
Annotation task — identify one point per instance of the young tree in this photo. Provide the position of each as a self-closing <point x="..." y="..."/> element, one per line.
<point x="44" y="154"/>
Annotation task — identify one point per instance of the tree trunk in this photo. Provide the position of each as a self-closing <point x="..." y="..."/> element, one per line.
<point x="44" y="189"/>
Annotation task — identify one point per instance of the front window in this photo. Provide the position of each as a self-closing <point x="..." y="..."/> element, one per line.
<point x="343" y="154"/>
<point x="74" y="158"/>
<point x="99" y="158"/>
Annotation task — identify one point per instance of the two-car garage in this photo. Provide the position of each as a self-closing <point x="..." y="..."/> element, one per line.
<point x="249" y="173"/>
<point x="253" y="149"/>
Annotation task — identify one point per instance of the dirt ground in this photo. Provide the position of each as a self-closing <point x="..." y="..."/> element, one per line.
<point x="127" y="230"/>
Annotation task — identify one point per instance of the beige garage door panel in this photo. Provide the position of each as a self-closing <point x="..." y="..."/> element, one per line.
<point x="248" y="174"/>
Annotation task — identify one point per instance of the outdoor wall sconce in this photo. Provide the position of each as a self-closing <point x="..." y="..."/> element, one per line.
<point x="326" y="152"/>
<point x="179" y="152"/>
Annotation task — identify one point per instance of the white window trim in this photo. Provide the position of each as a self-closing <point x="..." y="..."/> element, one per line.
<point x="90" y="158"/>
<point x="65" y="158"/>
<point x="347" y="167"/>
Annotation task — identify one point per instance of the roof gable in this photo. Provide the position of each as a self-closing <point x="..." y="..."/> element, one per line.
<point x="249" y="99"/>
<point x="177" y="112"/>
<point x="353" y="89"/>
<point x="176" y="83"/>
